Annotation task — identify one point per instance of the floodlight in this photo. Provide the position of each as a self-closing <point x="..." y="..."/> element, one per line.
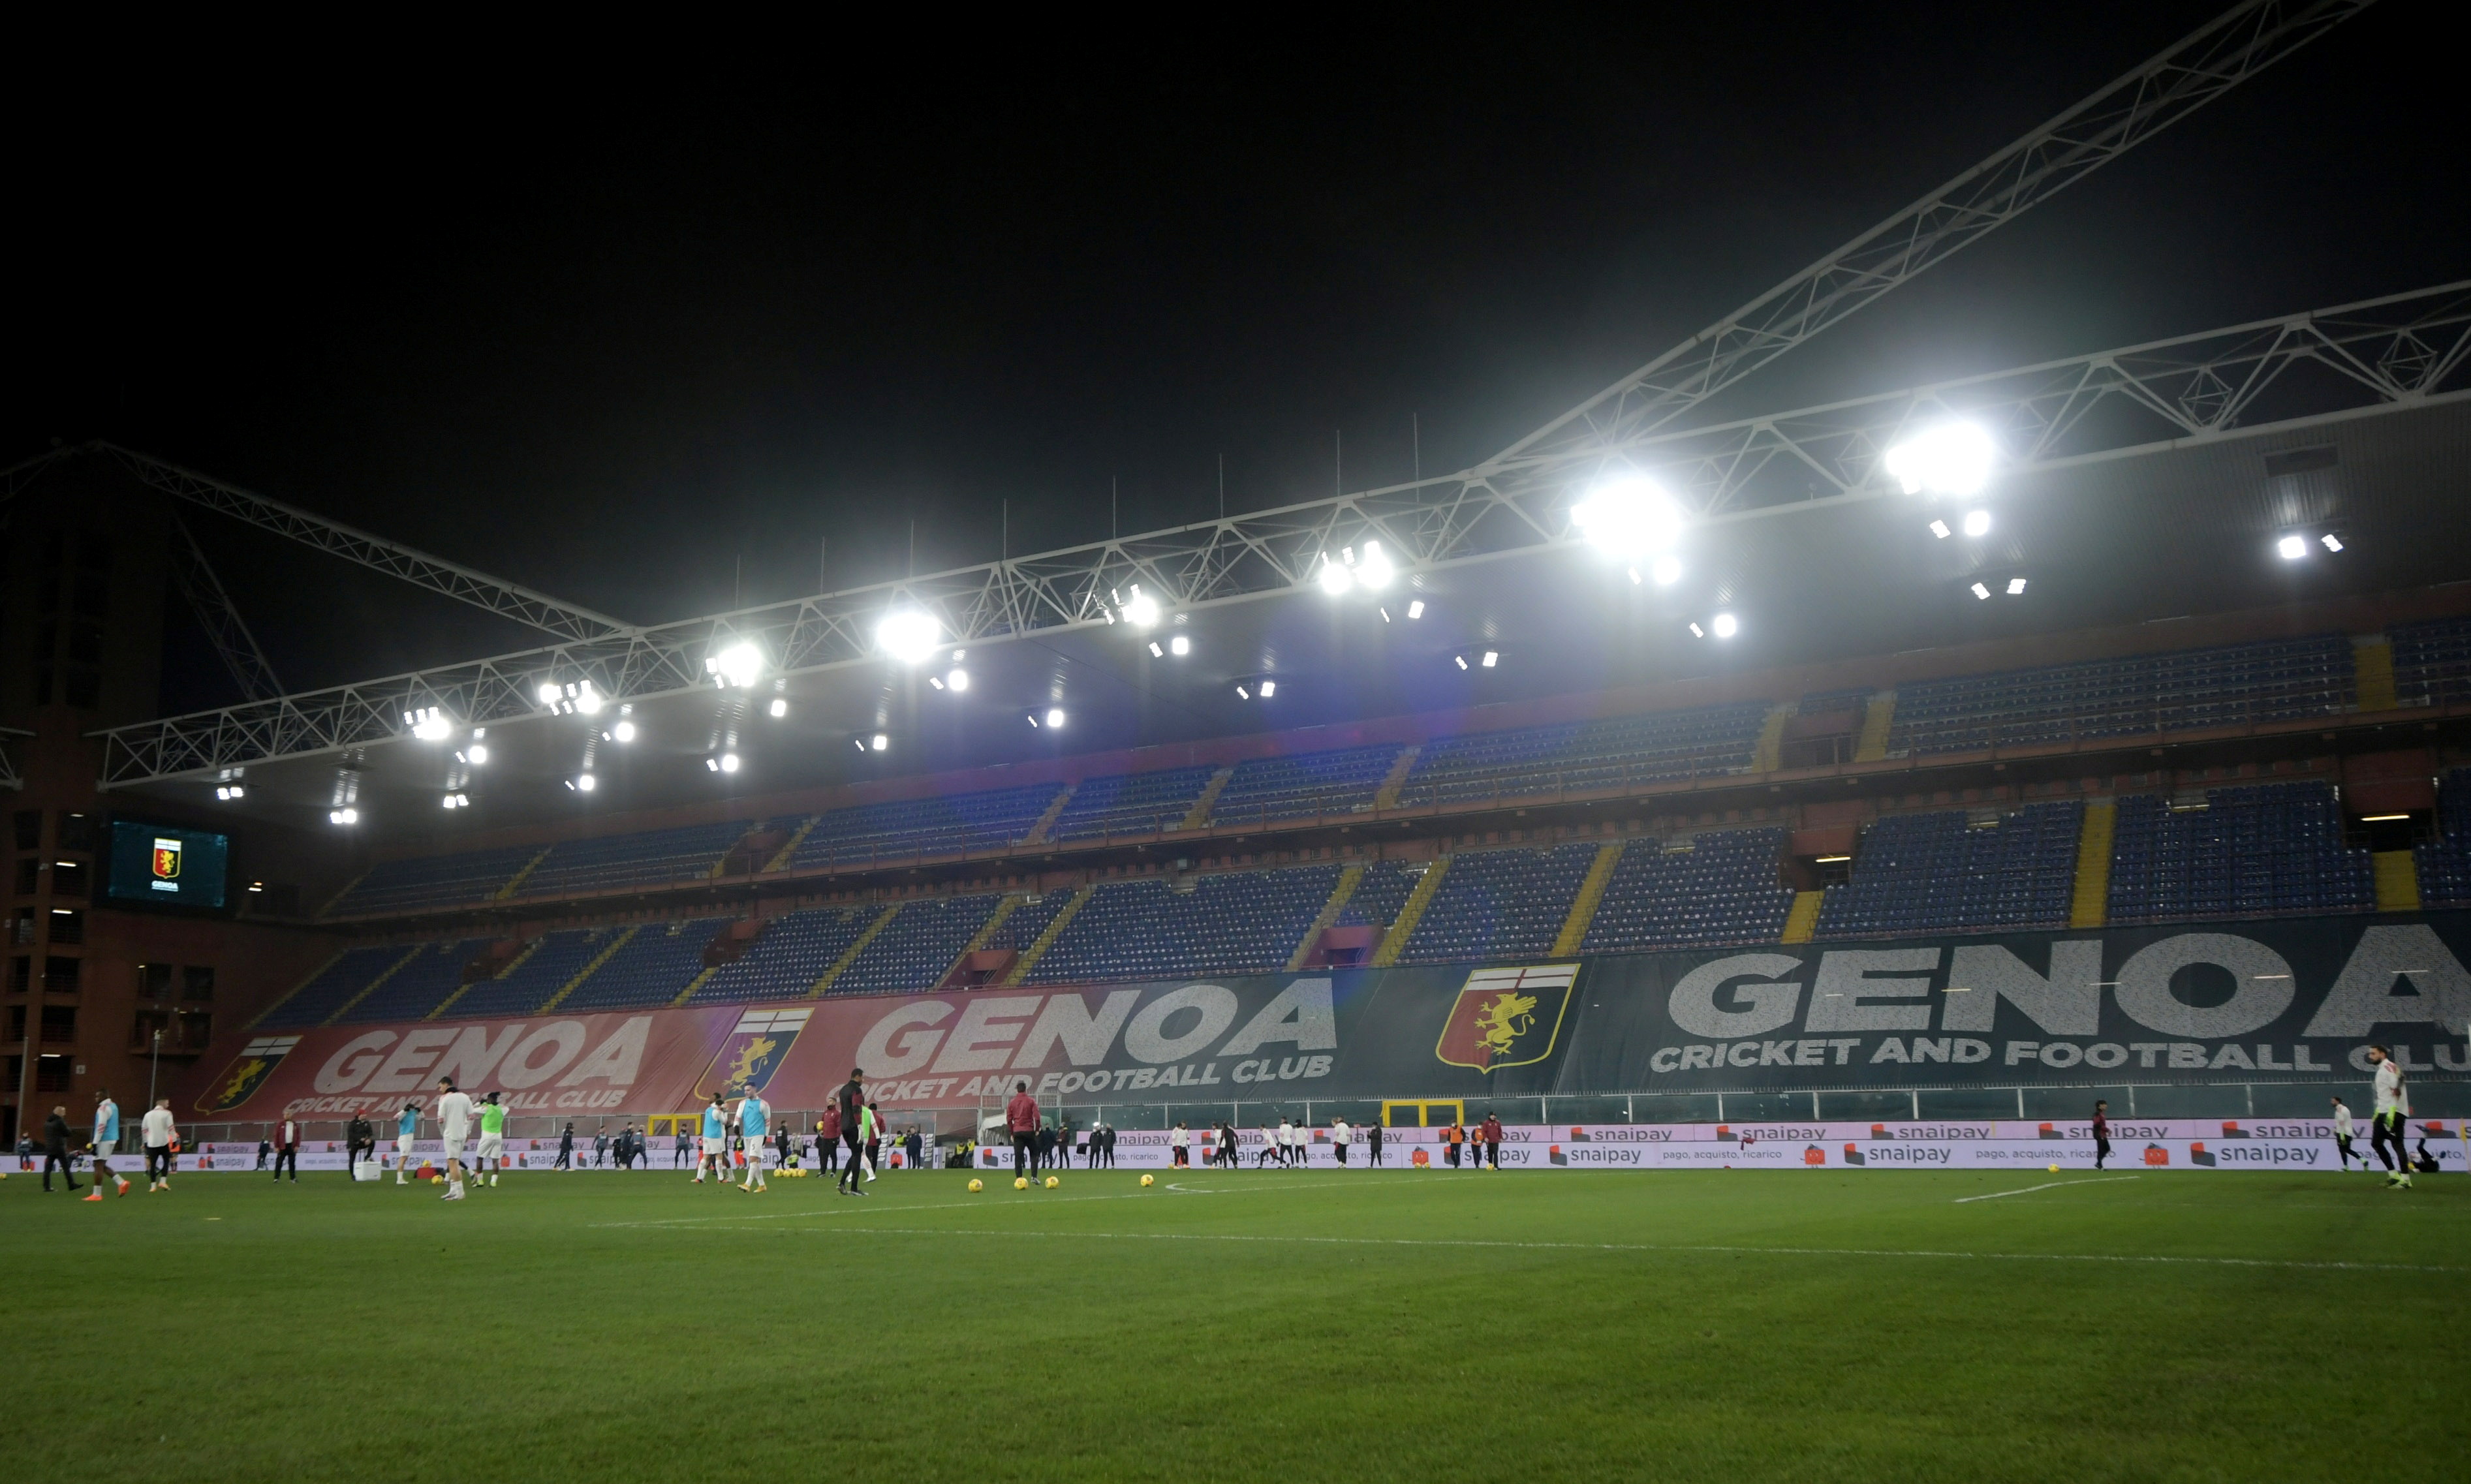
<point x="586" y="783"/>
<point x="230" y="792"/>
<point x="1032" y="718"/>
<point x="1335" y="579"/>
<point x="1977" y="523"/>
<point x="1181" y="644"/>
<point x="936" y="681"/>
<point x="1952" y="458"/>
<point x="2292" y="548"/>
<point x="880" y="742"/>
<point x="729" y="761"/>
<point x="1156" y="652"/>
<point x="622" y="732"/>
<point x="1416" y="609"/>
<point x="549" y="693"/>
<point x="587" y="699"/>
<point x="1696" y="632"/>
<point x="448" y="802"/>
<point x="1375" y="571"/>
<point x="1629" y="517"/>
<point x="740" y="664"/>
<point x="1142" y="610"/>
<point x="2333" y="542"/>
<point x="477" y="754"/>
<point x="779" y="708"/>
<point x="429" y="723"/>
<point x="958" y="679"/>
<point x="712" y="765"/>
<point x="1385" y="614"/>
<point x="1054" y="716"/>
<point x="1459" y="660"/>
<point x="910" y="635"/>
<point x="1243" y="694"/>
<point x="2015" y="587"/>
<point x="1725" y="626"/>
<point x="1269" y="688"/>
<point x="1667" y="571"/>
<point x="1939" y="529"/>
<point x="1492" y="657"/>
<point x="1979" y="591"/>
<point x="343" y="817"/>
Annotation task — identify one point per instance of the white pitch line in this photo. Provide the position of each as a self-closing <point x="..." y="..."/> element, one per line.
<point x="1781" y="1252"/>
<point x="990" y="1205"/>
<point x="2050" y="1186"/>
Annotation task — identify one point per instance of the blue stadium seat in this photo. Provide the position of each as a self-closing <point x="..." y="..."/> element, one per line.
<point x="2253" y="851"/>
<point x="1720" y="889"/>
<point x="1302" y="784"/>
<point x="1937" y="872"/>
<point x="1500" y="905"/>
<point x="2184" y="690"/>
<point x="1238" y="922"/>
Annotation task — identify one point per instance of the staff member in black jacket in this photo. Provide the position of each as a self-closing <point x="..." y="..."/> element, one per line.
<point x="359" y="1138"/>
<point x="56" y="1147"/>
<point x="851" y="1101"/>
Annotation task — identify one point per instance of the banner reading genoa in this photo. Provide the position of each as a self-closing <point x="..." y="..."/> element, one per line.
<point x="2266" y="1002"/>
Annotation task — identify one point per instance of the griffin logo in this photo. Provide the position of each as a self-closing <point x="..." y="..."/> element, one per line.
<point x="1507" y="1017"/>
<point x="246" y="1073"/>
<point x="167" y="860"/>
<point x="751" y="1053"/>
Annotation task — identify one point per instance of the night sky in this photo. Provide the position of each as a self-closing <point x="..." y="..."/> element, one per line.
<point x="612" y="326"/>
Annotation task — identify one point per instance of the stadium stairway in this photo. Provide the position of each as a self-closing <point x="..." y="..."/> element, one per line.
<point x="1802" y="923"/>
<point x="2090" y="900"/>
<point x="1592" y="889"/>
<point x="2397" y="878"/>
<point x="1877" y="718"/>
<point x="515" y="883"/>
<point x="371" y="987"/>
<point x="780" y="860"/>
<point x="2373" y="670"/>
<point x="1349" y="879"/>
<point x="858" y="946"/>
<point x="1037" y="835"/>
<point x="987" y="930"/>
<point x="1394" y="941"/>
<point x="1054" y="929"/>
<point x="1199" y="815"/>
<point x="1767" y="754"/>
<point x="616" y="943"/>
<point x="1387" y="795"/>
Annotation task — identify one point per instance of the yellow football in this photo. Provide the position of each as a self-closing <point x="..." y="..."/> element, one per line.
<point x="1053" y="1182"/>
<point x="976" y="1186"/>
<point x="2055" y="1170"/>
<point x="1021" y="1182"/>
<point x="1149" y="1179"/>
<point x="437" y="1180"/>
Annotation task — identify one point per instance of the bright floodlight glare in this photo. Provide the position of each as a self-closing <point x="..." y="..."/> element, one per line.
<point x="1492" y="657"/>
<point x="1156" y="652"/>
<point x="959" y="680"/>
<point x="878" y="741"/>
<point x="740" y="664"/>
<point x="1725" y="625"/>
<point x="2015" y="586"/>
<point x="1979" y="591"/>
<point x="780" y="706"/>
<point x="343" y="817"/>
<point x="548" y="692"/>
<point x="477" y="754"/>
<point x="430" y="724"/>
<point x="1416" y="609"/>
<point x="1696" y="632"/>
<point x="1460" y="660"/>
<point x="910" y="635"/>
<point x="2333" y="542"/>
<point x="729" y="761"/>
<point x="624" y="732"/>
<point x="1269" y="688"/>
<point x="2292" y="548"/>
<point x="1054" y="716"/>
<point x="1375" y="571"/>
<point x="1181" y="644"/>
<point x="1952" y="458"/>
<point x="230" y="792"/>
<point x="1667" y="571"/>
<point x="586" y="783"/>
<point x="1142" y="610"/>
<point x="1629" y="517"/>
<point x="1243" y="694"/>
<point x="712" y="765"/>
<point x="1335" y="579"/>
<point x="1939" y="529"/>
<point x="1977" y="523"/>
<point x="587" y="699"/>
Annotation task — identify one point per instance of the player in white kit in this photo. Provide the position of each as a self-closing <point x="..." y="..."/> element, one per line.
<point x="2387" y="1126"/>
<point x="754" y="1118"/>
<point x="455" y="1126"/>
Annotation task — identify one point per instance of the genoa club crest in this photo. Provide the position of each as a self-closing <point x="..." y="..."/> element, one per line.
<point x="167" y="860"/>
<point x="1507" y="1017"/>
<point x="246" y="1073"/>
<point x="753" y="1051"/>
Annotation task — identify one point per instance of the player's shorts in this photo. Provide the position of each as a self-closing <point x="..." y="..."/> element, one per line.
<point x="403" y="1144"/>
<point x="455" y="1146"/>
<point x="493" y="1145"/>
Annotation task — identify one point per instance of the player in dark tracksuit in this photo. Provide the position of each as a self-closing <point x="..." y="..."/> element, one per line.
<point x="2101" y="1133"/>
<point x="851" y="1101"/>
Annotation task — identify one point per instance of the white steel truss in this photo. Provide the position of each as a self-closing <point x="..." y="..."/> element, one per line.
<point x="2194" y="71"/>
<point x="195" y="577"/>
<point x="2391" y="354"/>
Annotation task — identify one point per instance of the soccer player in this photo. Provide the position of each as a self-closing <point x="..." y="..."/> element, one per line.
<point x="2385" y="1125"/>
<point x="454" y="1126"/>
<point x="1339" y="1141"/>
<point x="1021" y="1116"/>
<point x="1179" y="1140"/>
<point x="566" y="1150"/>
<point x="713" y="1152"/>
<point x="1270" y="1147"/>
<point x="160" y="1139"/>
<point x="874" y="1142"/>
<point x="2342" y="1131"/>
<point x="105" y="1140"/>
<point x="1371" y="1144"/>
<point x="1491" y="1139"/>
<point x="407" y="1130"/>
<point x="2101" y="1132"/>
<point x="1286" y="1141"/>
<point x="56" y="1149"/>
<point x="493" y="1137"/>
<point x="753" y="1120"/>
<point x="851" y="1100"/>
<point x="287" y="1148"/>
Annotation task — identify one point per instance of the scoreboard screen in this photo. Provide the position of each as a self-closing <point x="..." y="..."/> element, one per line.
<point x="168" y="867"/>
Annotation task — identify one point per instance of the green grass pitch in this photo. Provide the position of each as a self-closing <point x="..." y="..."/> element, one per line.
<point x="1427" y="1327"/>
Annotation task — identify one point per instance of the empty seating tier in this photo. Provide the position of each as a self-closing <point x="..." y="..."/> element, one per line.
<point x="1939" y="872"/>
<point x="1619" y="752"/>
<point x="1130" y="803"/>
<point x="653" y="858"/>
<point x="652" y="968"/>
<point x="949" y="825"/>
<point x="1501" y="905"/>
<point x="792" y="954"/>
<point x="332" y="987"/>
<point x="1299" y="786"/>
<point x="422" y="985"/>
<point x="2185" y="690"/>
<point x="2431" y="662"/>
<point x="2445" y="861"/>
<point x="432" y="881"/>
<point x="1720" y="889"/>
<point x="915" y="949"/>
<point x="2250" y="852"/>
<point x="1244" y="922"/>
